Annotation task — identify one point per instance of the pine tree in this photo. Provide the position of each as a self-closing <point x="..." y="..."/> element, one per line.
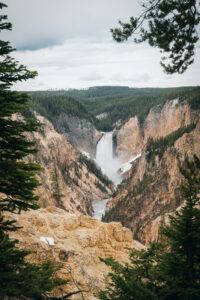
<point x="180" y="267"/>
<point x="169" y="25"/>
<point x="171" y="269"/>
<point x="17" y="178"/>
<point x="20" y="278"/>
<point x="17" y="181"/>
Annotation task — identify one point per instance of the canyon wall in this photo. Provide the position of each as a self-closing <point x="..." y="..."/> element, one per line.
<point x="151" y="189"/>
<point x="66" y="181"/>
<point x="79" y="132"/>
<point x="161" y="121"/>
<point x="77" y="242"/>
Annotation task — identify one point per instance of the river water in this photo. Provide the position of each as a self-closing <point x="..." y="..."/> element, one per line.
<point x="109" y="165"/>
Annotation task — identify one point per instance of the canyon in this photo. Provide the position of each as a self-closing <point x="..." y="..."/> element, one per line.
<point x="143" y="193"/>
<point x="151" y="189"/>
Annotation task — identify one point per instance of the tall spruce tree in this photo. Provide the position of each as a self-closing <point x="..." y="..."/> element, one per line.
<point x="170" y="25"/>
<point x="17" y="181"/>
<point x="17" y="178"/>
<point x="171" y="269"/>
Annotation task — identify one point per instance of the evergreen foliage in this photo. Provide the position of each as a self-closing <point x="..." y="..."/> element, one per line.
<point x="113" y="214"/>
<point x="51" y="105"/>
<point x="17" y="178"/>
<point x="169" y="25"/>
<point x="119" y="103"/>
<point x="17" y="181"/>
<point x="158" y="146"/>
<point x="122" y="103"/>
<point x="93" y="168"/>
<point x="170" y="269"/>
<point x="19" y="278"/>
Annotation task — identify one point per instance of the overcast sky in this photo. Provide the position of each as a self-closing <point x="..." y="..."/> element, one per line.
<point x="69" y="43"/>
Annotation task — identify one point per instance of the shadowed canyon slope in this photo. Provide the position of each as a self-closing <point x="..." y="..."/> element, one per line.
<point x="66" y="181"/>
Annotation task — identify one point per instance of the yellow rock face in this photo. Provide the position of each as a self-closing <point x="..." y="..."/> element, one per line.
<point x="65" y="182"/>
<point x="144" y="212"/>
<point x="161" y="121"/>
<point x="79" y="241"/>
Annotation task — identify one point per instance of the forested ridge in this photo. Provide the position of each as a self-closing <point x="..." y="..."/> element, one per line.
<point x="119" y="103"/>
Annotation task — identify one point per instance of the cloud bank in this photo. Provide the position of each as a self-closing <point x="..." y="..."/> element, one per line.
<point x="69" y="44"/>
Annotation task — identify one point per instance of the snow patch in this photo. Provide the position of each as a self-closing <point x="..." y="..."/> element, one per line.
<point x="47" y="240"/>
<point x="127" y="166"/>
<point x="86" y="154"/>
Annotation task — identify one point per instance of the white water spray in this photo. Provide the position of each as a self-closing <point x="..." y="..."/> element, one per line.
<point x="109" y="164"/>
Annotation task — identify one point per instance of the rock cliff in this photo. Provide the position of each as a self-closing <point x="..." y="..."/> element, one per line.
<point x="66" y="181"/>
<point x="161" y="121"/>
<point x="79" y="132"/>
<point x="76" y="245"/>
<point x="151" y="189"/>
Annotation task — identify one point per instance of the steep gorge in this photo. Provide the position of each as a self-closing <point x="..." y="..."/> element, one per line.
<point x="151" y="189"/>
<point x="67" y="180"/>
<point x="149" y="192"/>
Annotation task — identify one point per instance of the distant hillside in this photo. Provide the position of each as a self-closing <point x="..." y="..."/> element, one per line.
<point x="119" y="103"/>
<point x="51" y="105"/>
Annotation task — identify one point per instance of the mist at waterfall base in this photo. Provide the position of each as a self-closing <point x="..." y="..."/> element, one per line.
<point x="108" y="163"/>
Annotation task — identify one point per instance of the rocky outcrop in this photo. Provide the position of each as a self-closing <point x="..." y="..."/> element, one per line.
<point x="76" y="243"/>
<point x="161" y="121"/>
<point x="79" y="132"/>
<point x="66" y="181"/>
<point x="151" y="189"/>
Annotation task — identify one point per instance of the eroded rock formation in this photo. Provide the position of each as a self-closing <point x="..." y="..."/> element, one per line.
<point x="78" y="241"/>
<point x="79" y="132"/>
<point x="151" y="189"/>
<point x="161" y="121"/>
<point x="66" y="181"/>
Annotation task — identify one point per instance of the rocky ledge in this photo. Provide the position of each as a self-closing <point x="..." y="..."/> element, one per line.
<point x="75" y="244"/>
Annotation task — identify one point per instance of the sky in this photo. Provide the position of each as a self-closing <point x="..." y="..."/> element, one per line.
<point x="69" y="44"/>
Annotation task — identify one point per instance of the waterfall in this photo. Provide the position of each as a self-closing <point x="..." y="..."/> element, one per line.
<point x="109" y="164"/>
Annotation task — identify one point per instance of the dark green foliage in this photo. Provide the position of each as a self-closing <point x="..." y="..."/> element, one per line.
<point x="92" y="167"/>
<point x="171" y="269"/>
<point x="137" y="280"/>
<point x="17" y="178"/>
<point x="17" y="181"/>
<point x="56" y="189"/>
<point x="18" y="277"/>
<point x="113" y="214"/>
<point x="158" y="146"/>
<point x="100" y="186"/>
<point x="142" y="185"/>
<point x="169" y="25"/>
<point x="11" y="71"/>
<point x="51" y="105"/>
<point x="193" y="98"/>
<point x="120" y="103"/>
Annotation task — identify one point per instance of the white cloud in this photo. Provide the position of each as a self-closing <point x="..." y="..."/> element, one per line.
<point x="68" y="42"/>
<point x="42" y="23"/>
<point x="80" y="63"/>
